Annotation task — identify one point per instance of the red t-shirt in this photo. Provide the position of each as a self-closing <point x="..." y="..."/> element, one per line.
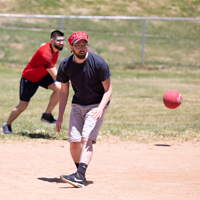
<point x="44" y="58"/>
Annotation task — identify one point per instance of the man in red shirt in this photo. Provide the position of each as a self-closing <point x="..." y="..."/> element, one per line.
<point x="40" y="71"/>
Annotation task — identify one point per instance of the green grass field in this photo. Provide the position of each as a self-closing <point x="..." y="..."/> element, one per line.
<point x="136" y="112"/>
<point x="168" y="43"/>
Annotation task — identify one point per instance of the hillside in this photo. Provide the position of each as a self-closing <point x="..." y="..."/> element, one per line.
<point x="119" y="42"/>
<point x="165" y="8"/>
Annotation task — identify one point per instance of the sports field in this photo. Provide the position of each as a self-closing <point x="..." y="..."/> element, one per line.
<point x="144" y="150"/>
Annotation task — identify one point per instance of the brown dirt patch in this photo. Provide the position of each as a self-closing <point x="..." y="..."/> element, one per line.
<point x="2" y="54"/>
<point x="17" y="46"/>
<point x="119" y="170"/>
<point x="114" y="47"/>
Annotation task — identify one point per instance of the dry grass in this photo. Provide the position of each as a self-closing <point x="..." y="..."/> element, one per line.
<point x="168" y="8"/>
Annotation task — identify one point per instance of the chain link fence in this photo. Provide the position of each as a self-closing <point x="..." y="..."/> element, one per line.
<point x="124" y="42"/>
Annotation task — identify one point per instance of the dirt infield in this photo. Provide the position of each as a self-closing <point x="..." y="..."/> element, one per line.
<point x="30" y="170"/>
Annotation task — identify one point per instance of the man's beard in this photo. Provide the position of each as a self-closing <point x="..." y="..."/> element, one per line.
<point x="58" y="47"/>
<point x="80" y="56"/>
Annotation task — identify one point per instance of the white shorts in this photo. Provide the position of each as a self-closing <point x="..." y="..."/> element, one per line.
<point x="82" y="124"/>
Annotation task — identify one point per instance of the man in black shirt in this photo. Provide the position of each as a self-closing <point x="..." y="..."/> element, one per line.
<point x="89" y="75"/>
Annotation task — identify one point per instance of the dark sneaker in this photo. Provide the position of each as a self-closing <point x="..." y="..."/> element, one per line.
<point x="6" y="129"/>
<point x="48" y="118"/>
<point x="73" y="179"/>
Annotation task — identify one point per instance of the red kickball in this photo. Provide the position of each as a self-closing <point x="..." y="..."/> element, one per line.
<point x="172" y="99"/>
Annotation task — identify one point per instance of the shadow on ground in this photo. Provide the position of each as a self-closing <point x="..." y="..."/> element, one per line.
<point x="162" y="145"/>
<point x="41" y="136"/>
<point x="51" y="180"/>
<point x="36" y="135"/>
<point x="58" y="180"/>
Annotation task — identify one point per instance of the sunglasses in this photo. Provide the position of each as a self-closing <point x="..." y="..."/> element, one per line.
<point x="59" y="40"/>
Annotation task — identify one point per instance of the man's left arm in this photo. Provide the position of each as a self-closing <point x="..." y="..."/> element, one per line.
<point x="106" y="97"/>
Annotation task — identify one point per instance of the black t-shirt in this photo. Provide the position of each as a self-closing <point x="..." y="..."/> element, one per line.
<point x="86" y="78"/>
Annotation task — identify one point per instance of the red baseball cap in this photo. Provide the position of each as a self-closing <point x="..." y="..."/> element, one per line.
<point x="75" y="37"/>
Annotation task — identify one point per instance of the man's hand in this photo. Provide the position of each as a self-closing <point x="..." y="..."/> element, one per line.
<point x="97" y="113"/>
<point x="53" y="72"/>
<point x="58" y="124"/>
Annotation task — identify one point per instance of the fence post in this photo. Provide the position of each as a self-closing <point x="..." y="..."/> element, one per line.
<point x="143" y="40"/>
<point x="61" y="29"/>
